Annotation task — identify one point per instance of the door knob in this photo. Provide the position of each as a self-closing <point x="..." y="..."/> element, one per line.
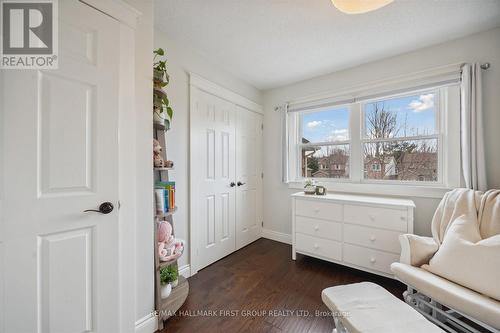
<point x="104" y="208"/>
<point x="240" y="183"/>
<point x="232" y="184"/>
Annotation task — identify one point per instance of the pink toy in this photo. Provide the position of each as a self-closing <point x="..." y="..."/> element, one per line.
<point x="164" y="232"/>
<point x="157" y="158"/>
<point x="169" y="248"/>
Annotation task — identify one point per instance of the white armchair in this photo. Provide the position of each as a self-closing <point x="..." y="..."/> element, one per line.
<point x="441" y="300"/>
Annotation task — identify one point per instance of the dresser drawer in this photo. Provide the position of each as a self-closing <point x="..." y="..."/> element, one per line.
<point x="385" y="240"/>
<point x="318" y="209"/>
<point x="319" y="228"/>
<point x="368" y="258"/>
<point x="322" y="247"/>
<point x="386" y="218"/>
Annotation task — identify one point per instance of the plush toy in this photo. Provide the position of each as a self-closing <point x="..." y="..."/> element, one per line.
<point x="164" y="232"/>
<point x="169" y="248"/>
<point x="157" y="158"/>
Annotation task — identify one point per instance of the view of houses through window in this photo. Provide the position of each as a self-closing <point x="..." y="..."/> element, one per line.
<point x="325" y="144"/>
<point x="398" y="136"/>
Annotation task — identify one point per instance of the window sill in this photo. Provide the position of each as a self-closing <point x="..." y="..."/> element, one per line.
<point x="409" y="190"/>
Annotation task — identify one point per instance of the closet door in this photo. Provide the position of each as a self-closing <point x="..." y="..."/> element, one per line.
<point x="213" y="124"/>
<point x="248" y="176"/>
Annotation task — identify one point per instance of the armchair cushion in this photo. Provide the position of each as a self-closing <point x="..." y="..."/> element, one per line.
<point x="416" y="250"/>
<point x="467" y="259"/>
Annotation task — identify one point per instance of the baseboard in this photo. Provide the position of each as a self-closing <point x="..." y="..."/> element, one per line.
<point x="185" y="271"/>
<point x="147" y="324"/>
<point x="277" y="236"/>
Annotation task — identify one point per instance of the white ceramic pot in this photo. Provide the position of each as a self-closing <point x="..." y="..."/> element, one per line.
<point x="158" y="118"/>
<point x="175" y="283"/>
<point x="310" y="189"/>
<point x="165" y="290"/>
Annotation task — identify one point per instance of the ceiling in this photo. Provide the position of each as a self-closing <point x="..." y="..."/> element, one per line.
<point x="271" y="43"/>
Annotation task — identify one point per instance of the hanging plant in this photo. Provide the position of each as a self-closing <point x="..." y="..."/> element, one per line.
<point x="163" y="112"/>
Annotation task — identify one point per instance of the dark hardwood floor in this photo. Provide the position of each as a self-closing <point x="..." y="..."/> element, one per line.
<point x="261" y="278"/>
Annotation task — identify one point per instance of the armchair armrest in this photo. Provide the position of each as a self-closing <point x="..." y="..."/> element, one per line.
<point x="417" y="250"/>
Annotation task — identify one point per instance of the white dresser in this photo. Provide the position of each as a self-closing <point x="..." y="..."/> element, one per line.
<point x="356" y="231"/>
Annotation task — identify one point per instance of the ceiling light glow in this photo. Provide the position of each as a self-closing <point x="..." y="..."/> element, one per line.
<point x="359" y="6"/>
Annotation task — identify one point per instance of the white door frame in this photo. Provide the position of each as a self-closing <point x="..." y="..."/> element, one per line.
<point x="198" y="82"/>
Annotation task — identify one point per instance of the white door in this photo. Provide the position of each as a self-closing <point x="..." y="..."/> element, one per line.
<point x="213" y="124"/>
<point x="248" y="177"/>
<point x="60" y="158"/>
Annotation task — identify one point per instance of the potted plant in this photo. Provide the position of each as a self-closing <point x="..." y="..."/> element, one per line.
<point x="309" y="186"/>
<point x="162" y="111"/>
<point x="166" y="286"/>
<point x="168" y="280"/>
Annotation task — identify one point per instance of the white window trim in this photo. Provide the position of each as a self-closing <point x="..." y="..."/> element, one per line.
<point x="448" y="160"/>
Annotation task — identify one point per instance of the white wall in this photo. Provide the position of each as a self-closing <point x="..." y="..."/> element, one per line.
<point x="483" y="47"/>
<point x="181" y="61"/>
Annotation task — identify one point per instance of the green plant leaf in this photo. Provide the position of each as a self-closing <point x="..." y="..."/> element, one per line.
<point x="170" y="112"/>
<point x="168" y="274"/>
<point x="159" y="52"/>
<point x="166" y="102"/>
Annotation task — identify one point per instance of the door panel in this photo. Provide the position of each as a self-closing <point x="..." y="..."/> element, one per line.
<point x="212" y="171"/>
<point x="60" y="158"/>
<point x="61" y="144"/>
<point x="248" y="174"/>
<point x="57" y="295"/>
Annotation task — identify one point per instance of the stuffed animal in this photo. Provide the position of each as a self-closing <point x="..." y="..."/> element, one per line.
<point x="169" y="248"/>
<point x="164" y="232"/>
<point x="157" y="158"/>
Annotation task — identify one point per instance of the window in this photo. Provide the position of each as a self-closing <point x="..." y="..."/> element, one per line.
<point x="325" y="143"/>
<point x="405" y="138"/>
<point x="401" y="134"/>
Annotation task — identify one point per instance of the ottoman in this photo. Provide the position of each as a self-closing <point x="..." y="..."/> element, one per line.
<point x="368" y="308"/>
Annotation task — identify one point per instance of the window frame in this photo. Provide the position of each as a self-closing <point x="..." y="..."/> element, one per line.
<point x="448" y="138"/>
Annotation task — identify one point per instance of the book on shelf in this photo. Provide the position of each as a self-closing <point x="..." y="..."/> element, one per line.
<point x="164" y="197"/>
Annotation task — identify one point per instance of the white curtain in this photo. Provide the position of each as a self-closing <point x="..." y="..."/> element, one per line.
<point x="471" y="122"/>
<point x="283" y="110"/>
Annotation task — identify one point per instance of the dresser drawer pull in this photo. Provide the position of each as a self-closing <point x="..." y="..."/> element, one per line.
<point x="373" y="259"/>
<point x="316" y="228"/>
<point x="373" y="238"/>
<point x="371" y="217"/>
<point x="403" y="218"/>
<point x="316" y="210"/>
<point x="316" y="246"/>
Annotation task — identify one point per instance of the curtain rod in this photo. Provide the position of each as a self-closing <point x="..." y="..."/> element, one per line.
<point x="483" y="66"/>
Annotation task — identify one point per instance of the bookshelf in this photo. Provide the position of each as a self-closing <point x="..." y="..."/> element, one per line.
<point x="166" y="307"/>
